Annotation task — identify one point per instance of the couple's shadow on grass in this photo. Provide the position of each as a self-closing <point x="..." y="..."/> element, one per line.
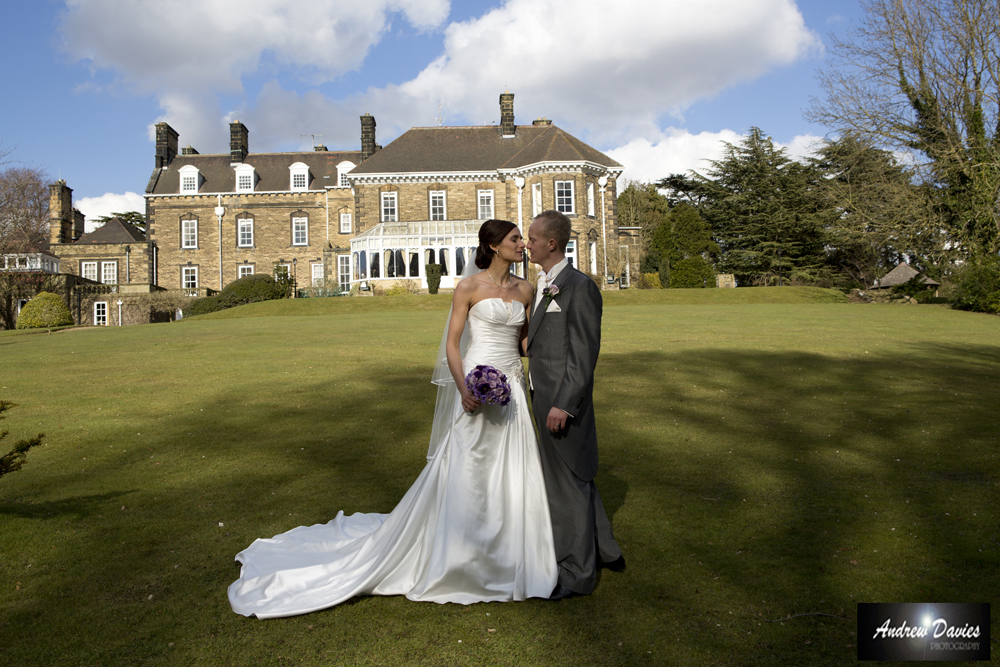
<point x="78" y="506"/>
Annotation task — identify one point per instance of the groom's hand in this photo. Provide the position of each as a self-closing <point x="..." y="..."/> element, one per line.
<point x="556" y="420"/>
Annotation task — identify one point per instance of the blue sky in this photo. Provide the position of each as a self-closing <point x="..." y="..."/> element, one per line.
<point x="656" y="84"/>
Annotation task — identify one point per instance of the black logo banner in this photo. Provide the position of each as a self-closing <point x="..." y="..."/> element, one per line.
<point x="923" y="631"/>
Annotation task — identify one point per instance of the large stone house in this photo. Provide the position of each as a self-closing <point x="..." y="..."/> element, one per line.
<point x="423" y="198"/>
<point x="215" y="218"/>
<point x="353" y="217"/>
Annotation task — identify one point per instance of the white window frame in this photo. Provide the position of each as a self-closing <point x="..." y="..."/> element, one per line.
<point x="190" y="179"/>
<point x="342" y="170"/>
<point x="89" y="268"/>
<point x="345" y="223"/>
<point x="189" y="277"/>
<point x="300" y="224"/>
<point x="244" y="270"/>
<point x="316" y="274"/>
<point x="571" y="254"/>
<point x="443" y="206"/>
<point x="298" y="171"/>
<point x="242" y="223"/>
<point x="389" y="206"/>
<point x="536" y="199"/>
<point x="565" y="203"/>
<point x="344" y="272"/>
<point x="246" y="179"/>
<point x="100" y="313"/>
<point x="109" y="277"/>
<point x="189" y="240"/>
<point x="590" y="200"/>
<point x="484" y="204"/>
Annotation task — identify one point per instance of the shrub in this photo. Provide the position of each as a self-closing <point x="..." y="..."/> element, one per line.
<point x="433" y="277"/>
<point x="403" y="287"/>
<point x="207" y="304"/>
<point x="15" y="458"/>
<point x="253" y="288"/>
<point x="692" y="272"/>
<point x="46" y="310"/>
<point x="649" y="281"/>
<point x="977" y="286"/>
<point x="915" y="287"/>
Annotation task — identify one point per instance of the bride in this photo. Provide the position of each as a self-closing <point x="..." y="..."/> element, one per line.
<point x="475" y="526"/>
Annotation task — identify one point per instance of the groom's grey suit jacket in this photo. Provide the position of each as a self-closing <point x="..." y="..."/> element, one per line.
<point x="562" y="353"/>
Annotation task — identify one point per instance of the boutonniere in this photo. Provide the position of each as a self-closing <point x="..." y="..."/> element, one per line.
<point x="550" y="292"/>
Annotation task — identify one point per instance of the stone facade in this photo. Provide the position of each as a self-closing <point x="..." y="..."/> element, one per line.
<point x="289" y="212"/>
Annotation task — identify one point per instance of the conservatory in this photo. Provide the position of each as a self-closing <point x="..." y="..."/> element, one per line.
<point x="392" y="251"/>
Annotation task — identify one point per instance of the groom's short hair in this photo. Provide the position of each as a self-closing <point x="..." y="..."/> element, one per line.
<point x="556" y="226"/>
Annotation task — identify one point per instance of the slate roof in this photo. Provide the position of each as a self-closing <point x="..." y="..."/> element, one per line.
<point x="271" y="169"/>
<point x="112" y="231"/>
<point x="902" y="274"/>
<point x="477" y="149"/>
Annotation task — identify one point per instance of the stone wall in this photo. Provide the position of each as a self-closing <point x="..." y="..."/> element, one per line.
<point x="272" y="215"/>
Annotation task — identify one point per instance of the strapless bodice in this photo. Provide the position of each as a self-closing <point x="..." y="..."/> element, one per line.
<point x="494" y="333"/>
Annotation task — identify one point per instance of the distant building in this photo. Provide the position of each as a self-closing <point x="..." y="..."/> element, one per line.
<point x="351" y="217"/>
<point x="423" y="197"/>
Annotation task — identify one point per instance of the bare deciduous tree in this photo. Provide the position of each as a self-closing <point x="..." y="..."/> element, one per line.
<point x="922" y="78"/>
<point x="24" y="209"/>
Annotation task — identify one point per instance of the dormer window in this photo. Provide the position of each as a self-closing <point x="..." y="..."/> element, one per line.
<point x="342" y="170"/>
<point x="190" y="179"/>
<point x="299" y="176"/>
<point x="245" y="178"/>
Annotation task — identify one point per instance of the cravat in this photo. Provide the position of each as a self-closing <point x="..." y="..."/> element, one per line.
<point x="543" y="282"/>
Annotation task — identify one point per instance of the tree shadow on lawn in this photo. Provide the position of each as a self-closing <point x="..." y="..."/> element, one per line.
<point x="789" y="483"/>
<point x="744" y="487"/>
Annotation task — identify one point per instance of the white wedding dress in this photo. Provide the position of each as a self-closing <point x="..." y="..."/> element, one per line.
<point x="474" y="527"/>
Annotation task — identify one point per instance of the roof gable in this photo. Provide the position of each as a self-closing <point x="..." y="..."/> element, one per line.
<point x="113" y="231"/>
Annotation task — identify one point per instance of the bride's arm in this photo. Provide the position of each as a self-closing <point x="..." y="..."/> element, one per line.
<point x="528" y="293"/>
<point x="460" y="305"/>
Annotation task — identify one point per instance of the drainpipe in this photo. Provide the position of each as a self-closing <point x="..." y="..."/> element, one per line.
<point x="219" y="212"/>
<point x="603" y="182"/>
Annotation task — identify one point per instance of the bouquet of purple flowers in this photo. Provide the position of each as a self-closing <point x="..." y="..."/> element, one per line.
<point x="488" y="385"/>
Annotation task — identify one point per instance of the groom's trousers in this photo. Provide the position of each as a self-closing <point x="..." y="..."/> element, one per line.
<point x="581" y="529"/>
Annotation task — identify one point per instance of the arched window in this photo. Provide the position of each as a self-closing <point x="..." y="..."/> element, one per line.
<point x="444" y="261"/>
<point x="429" y="256"/>
<point x="364" y="266"/>
<point x="375" y="271"/>
<point x="459" y="261"/>
<point x="414" y="264"/>
<point x="390" y="265"/>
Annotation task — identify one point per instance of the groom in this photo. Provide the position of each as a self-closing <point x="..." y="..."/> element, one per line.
<point x="564" y="339"/>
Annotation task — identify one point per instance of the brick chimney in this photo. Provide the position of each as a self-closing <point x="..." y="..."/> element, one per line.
<point x="368" y="145"/>
<point x="239" y="142"/>
<point x="61" y="212"/>
<point x="189" y="150"/>
<point x="544" y="122"/>
<point x="507" y="114"/>
<point x="166" y="145"/>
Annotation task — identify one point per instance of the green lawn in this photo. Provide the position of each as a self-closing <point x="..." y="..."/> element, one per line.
<point x="759" y="460"/>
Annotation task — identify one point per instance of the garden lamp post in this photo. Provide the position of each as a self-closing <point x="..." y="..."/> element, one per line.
<point x="219" y="212"/>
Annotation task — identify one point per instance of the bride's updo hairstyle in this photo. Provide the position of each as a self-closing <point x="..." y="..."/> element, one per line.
<point x="493" y="232"/>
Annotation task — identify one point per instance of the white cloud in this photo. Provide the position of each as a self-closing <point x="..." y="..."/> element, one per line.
<point x="676" y="153"/>
<point x="108" y="203"/>
<point x="610" y="75"/>
<point x="679" y="152"/>
<point x="187" y="52"/>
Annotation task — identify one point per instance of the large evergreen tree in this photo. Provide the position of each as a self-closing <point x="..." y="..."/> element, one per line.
<point x="683" y="245"/>
<point x="760" y="207"/>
